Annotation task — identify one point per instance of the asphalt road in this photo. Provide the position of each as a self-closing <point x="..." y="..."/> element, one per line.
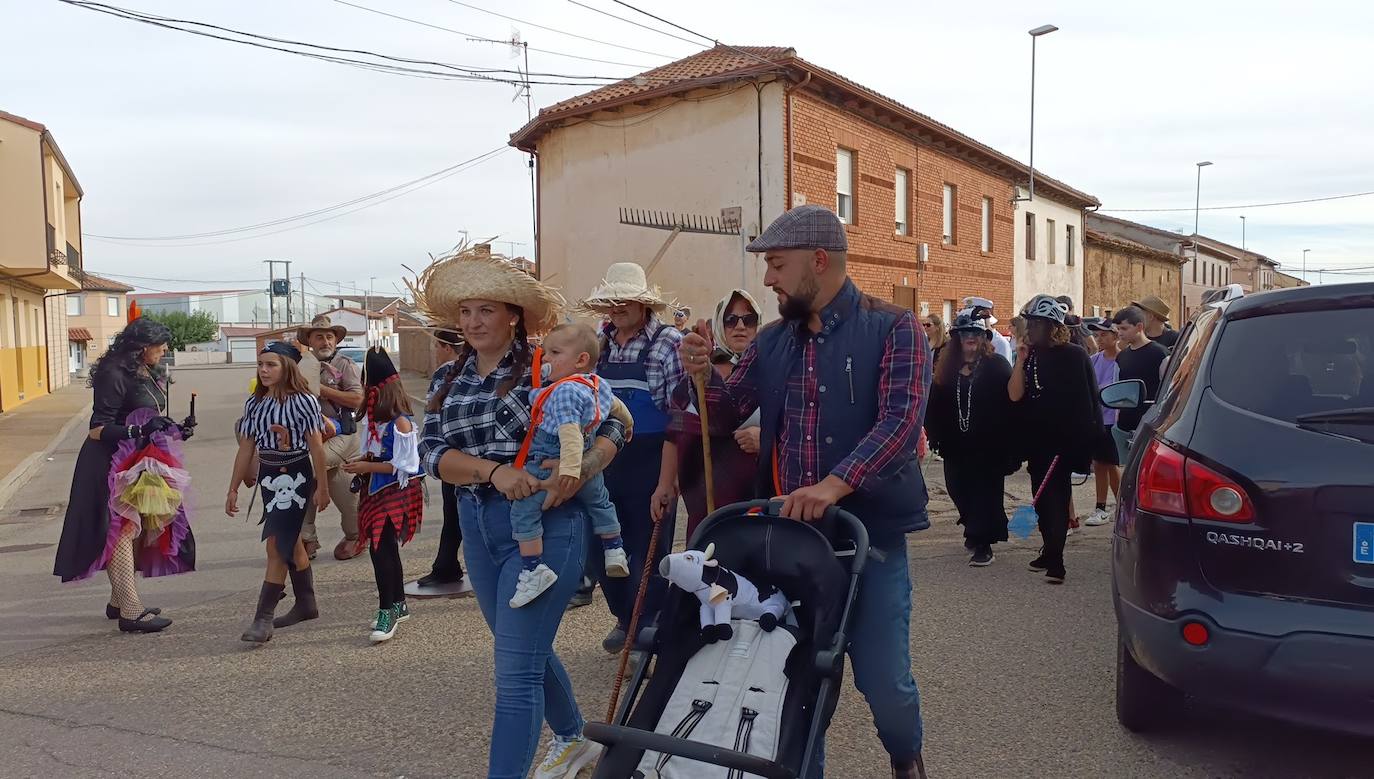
<point x="1016" y="676"/>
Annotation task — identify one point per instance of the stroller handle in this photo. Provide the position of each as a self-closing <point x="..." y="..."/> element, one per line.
<point x="692" y="750"/>
<point x="773" y="508"/>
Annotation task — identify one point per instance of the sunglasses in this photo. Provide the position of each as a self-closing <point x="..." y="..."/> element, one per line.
<point x="749" y="320"/>
<point x="926" y="324"/>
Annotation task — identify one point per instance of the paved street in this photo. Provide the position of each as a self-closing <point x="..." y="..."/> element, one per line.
<point x="1016" y="676"/>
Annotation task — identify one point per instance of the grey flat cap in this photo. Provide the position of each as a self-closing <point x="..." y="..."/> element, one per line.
<point x="804" y="227"/>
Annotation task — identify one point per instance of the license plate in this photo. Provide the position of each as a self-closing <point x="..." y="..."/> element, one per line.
<point x="1364" y="542"/>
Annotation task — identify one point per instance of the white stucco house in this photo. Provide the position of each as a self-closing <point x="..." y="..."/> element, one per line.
<point x="1048" y="248"/>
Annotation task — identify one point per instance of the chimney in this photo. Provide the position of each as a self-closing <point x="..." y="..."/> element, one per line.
<point x="482" y="250"/>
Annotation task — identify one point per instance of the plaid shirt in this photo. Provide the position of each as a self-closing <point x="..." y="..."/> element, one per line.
<point x="663" y="369"/>
<point x="901" y="396"/>
<point x="477" y="421"/>
<point x="573" y="403"/>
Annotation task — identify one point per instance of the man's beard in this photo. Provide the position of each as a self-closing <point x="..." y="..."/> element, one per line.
<point x="324" y="354"/>
<point x="797" y="305"/>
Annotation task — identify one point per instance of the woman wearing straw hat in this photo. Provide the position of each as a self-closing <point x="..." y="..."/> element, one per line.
<point x="474" y="425"/>
<point x="639" y="360"/>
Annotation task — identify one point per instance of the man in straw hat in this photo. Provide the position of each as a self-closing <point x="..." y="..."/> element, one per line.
<point x="1157" y="321"/>
<point x="639" y="360"/>
<point x="341" y="394"/>
<point x="841" y="384"/>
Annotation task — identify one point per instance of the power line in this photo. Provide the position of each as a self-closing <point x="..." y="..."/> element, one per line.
<point x="453" y="72"/>
<point x="452" y="172"/>
<point x="283" y="220"/>
<point x="560" y="32"/>
<point x="713" y="41"/>
<point x="637" y="24"/>
<point x="157" y="278"/>
<point x="1251" y="205"/>
<point x="471" y="35"/>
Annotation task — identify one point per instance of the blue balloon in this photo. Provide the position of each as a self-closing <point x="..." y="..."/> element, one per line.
<point x="1024" y="521"/>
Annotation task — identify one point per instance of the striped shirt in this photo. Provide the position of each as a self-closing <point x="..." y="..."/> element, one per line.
<point x="299" y="414"/>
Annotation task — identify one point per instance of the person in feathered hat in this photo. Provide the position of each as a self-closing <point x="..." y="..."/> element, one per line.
<point x="475" y="422"/>
<point x="639" y="360"/>
<point x="391" y="493"/>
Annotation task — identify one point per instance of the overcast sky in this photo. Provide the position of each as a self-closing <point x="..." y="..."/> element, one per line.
<point x="171" y="134"/>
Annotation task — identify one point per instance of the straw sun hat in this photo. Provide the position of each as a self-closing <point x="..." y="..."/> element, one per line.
<point x="474" y="273"/>
<point x="625" y="282"/>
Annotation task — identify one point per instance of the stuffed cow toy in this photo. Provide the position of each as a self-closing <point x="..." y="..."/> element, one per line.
<point x="724" y="595"/>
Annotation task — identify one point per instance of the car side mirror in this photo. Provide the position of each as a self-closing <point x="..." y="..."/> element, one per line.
<point x="1124" y="394"/>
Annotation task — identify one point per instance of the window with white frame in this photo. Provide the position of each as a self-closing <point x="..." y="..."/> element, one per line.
<point x="74" y="304"/>
<point x="951" y="197"/>
<point x="901" y="183"/>
<point x="844" y="185"/>
<point x="112" y="306"/>
<point x="985" y="243"/>
<point x="1050" y="240"/>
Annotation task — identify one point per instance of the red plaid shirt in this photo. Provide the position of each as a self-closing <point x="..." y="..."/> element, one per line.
<point x="902" y="386"/>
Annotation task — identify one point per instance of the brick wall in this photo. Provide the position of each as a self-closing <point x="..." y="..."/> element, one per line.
<point x="878" y="258"/>
<point x="1113" y="277"/>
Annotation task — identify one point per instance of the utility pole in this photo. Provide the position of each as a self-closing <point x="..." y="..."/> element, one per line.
<point x="305" y="315"/>
<point x="523" y="47"/>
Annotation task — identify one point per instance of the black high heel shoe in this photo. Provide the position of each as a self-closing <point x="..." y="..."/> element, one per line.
<point x="147" y="622"/>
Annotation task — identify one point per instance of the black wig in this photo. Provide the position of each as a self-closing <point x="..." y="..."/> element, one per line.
<point x="125" y="352"/>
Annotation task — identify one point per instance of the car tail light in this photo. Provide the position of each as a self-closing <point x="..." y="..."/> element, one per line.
<point x="1162" y="481"/>
<point x="1177" y="486"/>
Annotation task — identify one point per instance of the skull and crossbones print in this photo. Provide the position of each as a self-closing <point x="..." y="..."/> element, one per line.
<point x="285" y="491"/>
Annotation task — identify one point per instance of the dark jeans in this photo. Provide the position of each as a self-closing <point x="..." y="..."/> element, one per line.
<point x="446" y="564"/>
<point x="1052" y="508"/>
<point x="631" y="479"/>
<point x="975" y="485"/>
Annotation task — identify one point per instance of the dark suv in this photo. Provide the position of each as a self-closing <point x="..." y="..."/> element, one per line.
<point x="1243" y="557"/>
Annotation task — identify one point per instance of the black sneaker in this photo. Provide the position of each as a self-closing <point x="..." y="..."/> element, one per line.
<point x="1038" y="564"/>
<point x="1055" y="576"/>
<point x="614" y="641"/>
<point x="438" y="580"/>
<point x="583" y="596"/>
<point x="982" y="557"/>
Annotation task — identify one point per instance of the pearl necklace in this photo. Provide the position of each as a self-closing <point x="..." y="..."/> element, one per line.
<point x="963" y="400"/>
<point x="1034" y="364"/>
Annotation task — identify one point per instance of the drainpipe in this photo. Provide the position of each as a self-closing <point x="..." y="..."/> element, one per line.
<point x="787" y="93"/>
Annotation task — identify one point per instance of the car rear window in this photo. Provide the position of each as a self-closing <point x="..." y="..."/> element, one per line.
<point x="1286" y="365"/>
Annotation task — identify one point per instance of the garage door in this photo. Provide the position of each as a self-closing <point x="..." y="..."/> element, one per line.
<point x="243" y="351"/>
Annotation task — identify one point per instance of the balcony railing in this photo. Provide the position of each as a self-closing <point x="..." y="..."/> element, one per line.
<point x="74" y="262"/>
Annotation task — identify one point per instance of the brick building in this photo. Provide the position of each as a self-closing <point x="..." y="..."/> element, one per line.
<point x="763" y="130"/>
<point x="1118" y="271"/>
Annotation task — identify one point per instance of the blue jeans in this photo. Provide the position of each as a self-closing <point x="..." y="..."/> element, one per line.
<point x="531" y="685"/>
<point x="880" y="653"/>
<point x="526" y="516"/>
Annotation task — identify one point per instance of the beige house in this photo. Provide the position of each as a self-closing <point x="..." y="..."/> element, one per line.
<point x="40" y="250"/>
<point x="1118" y="271"/>
<point x="1287" y="281"/>
<point x="94" y="316"/>
<point x="1252" y="271"/>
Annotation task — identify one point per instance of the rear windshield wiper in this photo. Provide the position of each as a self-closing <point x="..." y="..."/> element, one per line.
<point x="1350" y="416"/>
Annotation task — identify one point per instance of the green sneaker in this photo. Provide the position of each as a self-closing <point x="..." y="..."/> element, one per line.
<point x="402" y="611"/>
<point x="385" y="626"/>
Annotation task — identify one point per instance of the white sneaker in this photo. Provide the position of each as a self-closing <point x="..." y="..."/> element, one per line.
<point x="617" y="564"/>
<point x="1098" y="517"/>
<point x="532" y="584"/>
<point x="567" y="757"/>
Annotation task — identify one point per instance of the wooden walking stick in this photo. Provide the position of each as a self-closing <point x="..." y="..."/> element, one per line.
<point x="709" y="473"/>
<point x="645" y="572"/>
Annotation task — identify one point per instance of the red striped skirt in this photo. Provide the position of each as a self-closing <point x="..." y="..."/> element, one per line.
<point x="401" y="507"/>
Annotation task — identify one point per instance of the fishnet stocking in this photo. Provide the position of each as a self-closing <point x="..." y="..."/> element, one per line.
<point x="120" y="569"/>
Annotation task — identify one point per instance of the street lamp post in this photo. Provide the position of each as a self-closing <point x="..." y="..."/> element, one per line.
<point x="1197" y="204"/>
<point x="1304" y="264"/>
<point x="1242" y="234"/>
<point x="1044" y="29"/>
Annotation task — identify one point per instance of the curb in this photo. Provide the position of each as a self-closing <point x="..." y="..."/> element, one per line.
<point x="22" y="472"/>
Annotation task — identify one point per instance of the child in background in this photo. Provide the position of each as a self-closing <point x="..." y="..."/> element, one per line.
<point x="562" y="413"/>
<point x="391" y="494"/>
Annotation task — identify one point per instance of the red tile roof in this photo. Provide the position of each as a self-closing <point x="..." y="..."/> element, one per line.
<point x="733" y="63"/>
<point x="79" y="334"/>
<point x="91" y="281"/>
<point x="241" y="332"/>
<point x="19" y="120"/>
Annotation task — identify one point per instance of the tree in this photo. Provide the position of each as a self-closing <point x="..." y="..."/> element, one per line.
<point x="195" y="328"/>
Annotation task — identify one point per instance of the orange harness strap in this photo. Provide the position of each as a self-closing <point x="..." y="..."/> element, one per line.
<point x="537" y="411"/>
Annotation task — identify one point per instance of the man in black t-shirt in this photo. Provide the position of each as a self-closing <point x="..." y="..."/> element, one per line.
<point x="1157" y="321"/>
<point x="1139" y="358"/>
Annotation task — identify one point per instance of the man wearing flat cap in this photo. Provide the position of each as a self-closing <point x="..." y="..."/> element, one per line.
<point x="841" y="384"/>
<point x="1157" y="321"/>
<point x="340" y="395"/>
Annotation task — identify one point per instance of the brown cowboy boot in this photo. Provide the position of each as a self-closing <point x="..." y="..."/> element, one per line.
<point x="260" y="632"/>
<point x="303" y="587"/>
<point x="909" y="769"/>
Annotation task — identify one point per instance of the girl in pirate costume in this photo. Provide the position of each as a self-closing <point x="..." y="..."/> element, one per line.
<point x="126" y="512"/>
<point x="391" y="496"/>
<point x="283" y="423"/>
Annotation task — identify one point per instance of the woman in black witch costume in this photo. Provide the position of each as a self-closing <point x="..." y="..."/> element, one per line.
<point x="105" y="527"/>
<point x="283" y="423"/>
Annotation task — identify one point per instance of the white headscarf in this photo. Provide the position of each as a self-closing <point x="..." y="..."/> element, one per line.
<point x="718" y="323"/>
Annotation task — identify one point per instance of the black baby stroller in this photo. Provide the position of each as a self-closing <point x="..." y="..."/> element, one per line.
<point x="817" y="568"/>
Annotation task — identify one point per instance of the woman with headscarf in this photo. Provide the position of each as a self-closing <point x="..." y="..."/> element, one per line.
<point x="1055" y="392"/>
<point x="475" y="423"/>
<point x="734" y="453"/>
<point x="131" y="460"/>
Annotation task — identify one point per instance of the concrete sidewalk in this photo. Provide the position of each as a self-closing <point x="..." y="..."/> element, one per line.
<point x="31" y="431"/>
